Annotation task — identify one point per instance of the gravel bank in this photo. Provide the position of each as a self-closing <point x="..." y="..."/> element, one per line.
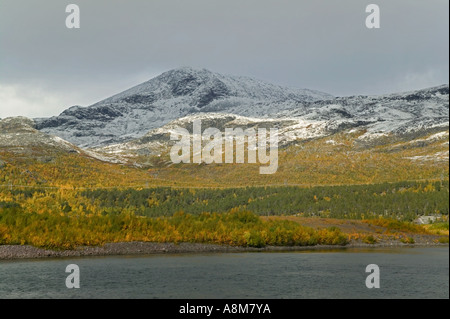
<point x="129" y="248"/>
<point x="145" y="248"/>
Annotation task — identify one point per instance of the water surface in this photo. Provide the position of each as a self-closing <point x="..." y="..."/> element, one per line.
<point x="404" y="273"/>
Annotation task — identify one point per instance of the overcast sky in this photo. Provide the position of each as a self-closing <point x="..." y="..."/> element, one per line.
<point x="323" y="45"/>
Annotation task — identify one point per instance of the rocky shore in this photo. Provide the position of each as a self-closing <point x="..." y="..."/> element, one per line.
<point x="8" y="252"/>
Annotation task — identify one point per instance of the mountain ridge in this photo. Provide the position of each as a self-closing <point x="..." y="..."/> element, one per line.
<point x="171" y="95"/>
<point x="179" y="93"/>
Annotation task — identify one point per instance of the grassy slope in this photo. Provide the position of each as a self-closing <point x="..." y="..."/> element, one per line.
<point x="309" y="163"/>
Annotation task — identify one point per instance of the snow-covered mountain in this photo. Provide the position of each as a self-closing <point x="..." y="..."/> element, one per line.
<point x="398" y="113"/>
<point x="169" y="96"/>
<point x="147" y="112"/>
<point x="402" y="116"/>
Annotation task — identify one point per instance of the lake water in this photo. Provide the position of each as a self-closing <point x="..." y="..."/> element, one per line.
<point x="404" y="273"/>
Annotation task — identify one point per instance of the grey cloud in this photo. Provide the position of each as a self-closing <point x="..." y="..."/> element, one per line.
<point x="320" y="44"/>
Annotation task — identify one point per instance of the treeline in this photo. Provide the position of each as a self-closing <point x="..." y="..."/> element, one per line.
<point x="65" y="219"/>
<point x="235" y="228"/>
<point x="405" y="200"/>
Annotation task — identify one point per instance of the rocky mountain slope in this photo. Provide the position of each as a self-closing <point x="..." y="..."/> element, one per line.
<point x="397" y="113"/>
<point x="20" y="139"/>
<point x="20" y="133"/>
<point x="172" y="95"/>
<point x="147" y="112"/>
<point x="375" y="120"/>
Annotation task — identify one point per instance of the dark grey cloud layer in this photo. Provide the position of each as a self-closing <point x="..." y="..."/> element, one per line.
<point x="324" y="45"/>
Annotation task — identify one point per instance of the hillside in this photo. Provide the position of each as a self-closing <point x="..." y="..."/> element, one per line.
<point x="29" y="157"/>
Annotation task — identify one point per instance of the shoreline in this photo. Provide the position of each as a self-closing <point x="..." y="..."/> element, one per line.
<point x="15" y="252"/>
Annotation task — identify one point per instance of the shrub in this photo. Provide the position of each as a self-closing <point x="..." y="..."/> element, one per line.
<point x="370" y="239"/>
<point x="407" y="240"/>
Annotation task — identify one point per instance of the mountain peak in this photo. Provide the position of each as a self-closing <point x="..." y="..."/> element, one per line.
<point x="171" y="95"/>
<point x="183" y="72"/>
<point x="187" y="69"/>
<point x="199" y="87"/>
